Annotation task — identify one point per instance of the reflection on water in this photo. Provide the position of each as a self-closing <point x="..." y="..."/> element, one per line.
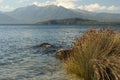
<point x="18" y="61"/>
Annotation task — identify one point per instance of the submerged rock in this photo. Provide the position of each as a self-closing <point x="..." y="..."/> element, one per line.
<point x="63" y="54"/>
<point x="45" y="48"/>
<point x="44" y="45"/>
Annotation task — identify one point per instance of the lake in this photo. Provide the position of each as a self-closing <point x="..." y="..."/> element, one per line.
<point x="19" y="61"/>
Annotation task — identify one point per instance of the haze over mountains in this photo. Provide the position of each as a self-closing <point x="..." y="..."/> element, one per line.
<point x="33" y="14"/>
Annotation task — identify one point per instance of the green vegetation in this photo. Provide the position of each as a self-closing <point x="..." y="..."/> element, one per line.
<point x="95" y="56"/>
<point x="71" y="21"/>
<point x="75" y="21"/>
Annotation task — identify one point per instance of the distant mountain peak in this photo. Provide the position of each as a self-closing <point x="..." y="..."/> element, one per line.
<point x="32" y="14"/>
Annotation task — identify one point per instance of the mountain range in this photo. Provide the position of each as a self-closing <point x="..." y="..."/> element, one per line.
<point x="33" y="14"/>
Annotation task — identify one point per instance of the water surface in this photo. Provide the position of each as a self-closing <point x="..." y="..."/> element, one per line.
<point x="18" y="61"/>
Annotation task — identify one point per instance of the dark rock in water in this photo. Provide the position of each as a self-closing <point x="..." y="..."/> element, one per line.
<point x="62" y="54"/>
<point x="44" y="45"/>
<point x="45" y="48"/>
<point x="49" y="49"/>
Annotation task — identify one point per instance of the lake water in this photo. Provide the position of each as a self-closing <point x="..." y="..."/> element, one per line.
<point x="19" y="61"/>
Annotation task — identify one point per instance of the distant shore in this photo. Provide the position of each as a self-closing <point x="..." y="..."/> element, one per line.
<point x="76" y="21"/>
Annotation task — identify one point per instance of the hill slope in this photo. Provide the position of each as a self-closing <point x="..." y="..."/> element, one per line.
<point x="5" y="19"/>
<point x="70" y="21"/>
<point x="75" y="21"/>
<point x="33" y="14"/>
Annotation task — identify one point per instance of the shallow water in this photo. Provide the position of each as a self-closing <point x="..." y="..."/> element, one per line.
<point x="18" y="61"/>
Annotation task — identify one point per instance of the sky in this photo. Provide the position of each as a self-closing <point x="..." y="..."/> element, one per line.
<point x="109" y="6"/>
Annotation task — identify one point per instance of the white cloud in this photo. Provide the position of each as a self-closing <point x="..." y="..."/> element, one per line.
<point x="98" y="7"/>
<point x="92" y="7"/>
<point x="1" y="1"/>
<point x="6" y="8"/>
<point x="112" y="8"/>
<point x="21" y="1"/>
<point x="42" y="4"/>
<point x="64" y="3"/>
<point x="72" y="4"/>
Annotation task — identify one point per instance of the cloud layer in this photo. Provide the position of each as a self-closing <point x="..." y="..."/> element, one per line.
<point x="72" y="4"/>
<point x="64" y="3"/>
<point x="97" y="7"/>
<point x="1" y="1"/>
<point x="6" y="8"/>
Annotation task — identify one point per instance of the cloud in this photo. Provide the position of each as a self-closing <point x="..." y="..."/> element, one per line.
<point x="43" y="3"/>
<point x="1" y="1"/>
<point x="21" y="1"/>
<point x="98" y="7"/>
<point x="6" y="8"/>
<point x="72" y="4"/>
<point x="112" y="8"/>
<point x="64" y="3"/>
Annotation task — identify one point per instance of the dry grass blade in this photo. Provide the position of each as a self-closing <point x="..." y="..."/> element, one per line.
<point x="96" y="56"/>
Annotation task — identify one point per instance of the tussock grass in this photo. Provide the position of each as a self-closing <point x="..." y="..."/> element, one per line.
<point x="95" y="56"/>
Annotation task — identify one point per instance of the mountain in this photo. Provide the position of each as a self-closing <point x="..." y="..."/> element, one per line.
<point x="5" y="19"/>
<point x="33" y="14"/>
<point x="103" y="17"/>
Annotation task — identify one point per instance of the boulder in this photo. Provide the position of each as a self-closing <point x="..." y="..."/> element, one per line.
<point x="44" y="45"/>
<point x="62" y="54"/>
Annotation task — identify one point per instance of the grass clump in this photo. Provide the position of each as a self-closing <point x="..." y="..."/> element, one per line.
<point x="95" y="56"/>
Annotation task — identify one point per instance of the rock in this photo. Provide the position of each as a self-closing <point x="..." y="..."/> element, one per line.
<point x="62" y="54"/>
<point x="44" y="45"/>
